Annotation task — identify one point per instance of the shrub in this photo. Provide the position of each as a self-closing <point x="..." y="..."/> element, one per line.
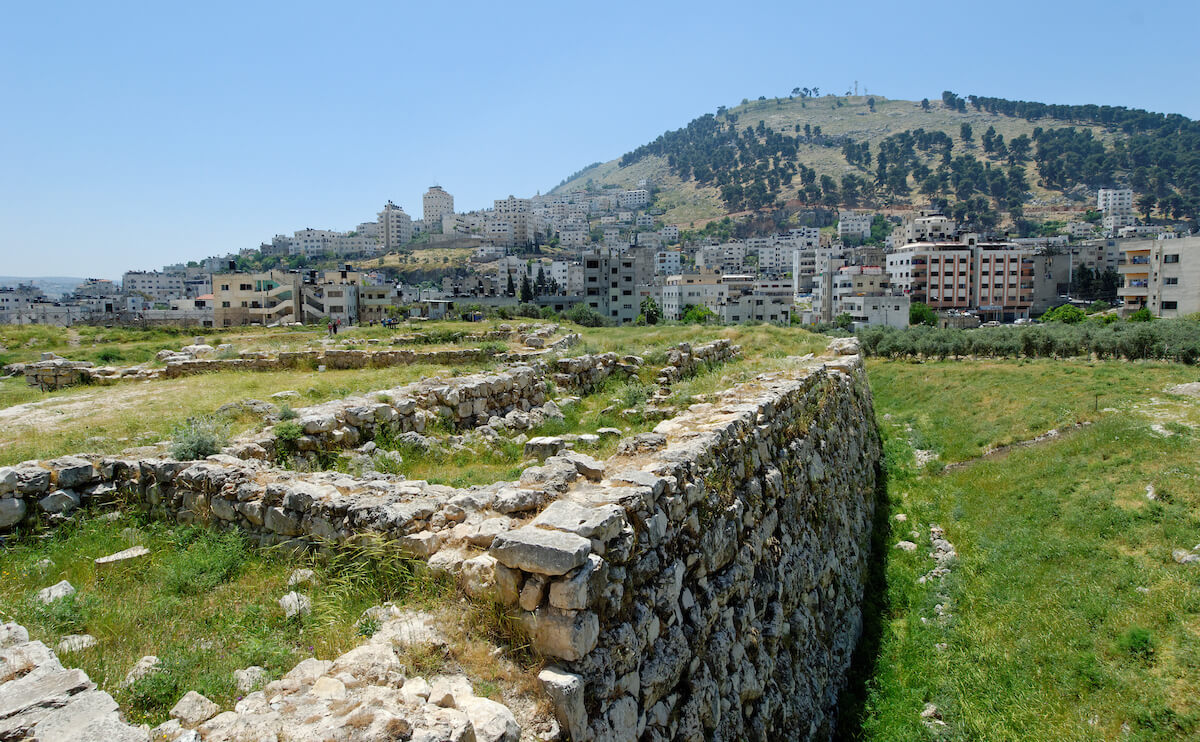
<point x="68" y="615"/>
<point x="288" y="430"/>
<point x="197" y="438"/>
<point x="286" y="412"/>
<point x="582" y="314"/>
<point x="1141" y="315"/>
<point x="1065" y="313"/>
<point x="108" y="355"/>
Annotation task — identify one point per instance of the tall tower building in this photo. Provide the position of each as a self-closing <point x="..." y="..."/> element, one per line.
<point x="437" y="204"/>
<point x="395" y="227"/>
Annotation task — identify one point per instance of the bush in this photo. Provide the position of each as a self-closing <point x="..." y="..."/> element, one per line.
<point x="197" y="438"/>
<point x="1141" y="315"/>
<point x="108" y="355"/>
<point x="289" y="430"/>
<point x="287" y="413"/>
<point x="582" y="314"/>
<point x="1066" y="313"/>
<point x="67" y="615"/>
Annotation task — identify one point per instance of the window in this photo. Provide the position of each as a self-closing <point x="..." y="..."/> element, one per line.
<point x="1170" y="304"/>
<point x="224" y="287"/>
<point x="1171" y="281"/>
<point x="225" y="305"/>
<point x="1171" y="258"/>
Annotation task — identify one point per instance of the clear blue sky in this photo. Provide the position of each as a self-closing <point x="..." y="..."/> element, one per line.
<point x="138" y="134"/>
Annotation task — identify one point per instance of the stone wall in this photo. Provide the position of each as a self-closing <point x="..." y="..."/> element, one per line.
<point x="457" y="403"/>
<point x="708" y="585"/>
<point x="683" y="360"/>
<point x="703" y="583"/>
<point x="586" y="373"/>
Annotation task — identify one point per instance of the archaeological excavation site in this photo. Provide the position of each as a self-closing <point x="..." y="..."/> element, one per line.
<point x="523" y="533"/>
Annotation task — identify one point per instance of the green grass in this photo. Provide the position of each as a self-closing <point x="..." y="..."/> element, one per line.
<point x="1070" y="620"/>
<point x="204" y="602"/>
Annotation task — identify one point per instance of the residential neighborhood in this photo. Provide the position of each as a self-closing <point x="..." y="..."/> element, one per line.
<point x="609" y="251"/>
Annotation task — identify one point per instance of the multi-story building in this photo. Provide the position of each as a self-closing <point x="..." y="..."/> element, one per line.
<point x="670" y="233"/>
<point x="704" y="289"/>
<point x="644" y="220"/>
<point x="159" y="286"/>
<point x="1080" y="230"/>
<point x="395" y="227"/>
<point x="258" y="298"/>
<point x="994" y="279"/>
<point x="727" y="258"/>
<point x="1161" y="275"/>
<point x="775" y="259"/>
<point x="855" y="226"/>
<point x="436" y="204"/>
<point x="930" y="225"/>
<point x="667" y="262"/>
<point x="516" y="212"/>
<point x="612" y="280"/>
<point x="1117" y="206"/>
<point x="377" y="303"/>
<point x="634" y="199"/>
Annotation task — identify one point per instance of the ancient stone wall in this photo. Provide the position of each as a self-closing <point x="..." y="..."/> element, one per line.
<point x="683" y="360"/>
<point x="703" y="583"/>
<point x="586" y="373"/>
<point x="708" y="585"/>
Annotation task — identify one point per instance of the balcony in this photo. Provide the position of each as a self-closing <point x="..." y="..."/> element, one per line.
<point x="1140" y="260"/>
<point x="1140" y="284"/>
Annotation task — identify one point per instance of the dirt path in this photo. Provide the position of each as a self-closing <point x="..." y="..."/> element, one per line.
<point x="72" y="337"/>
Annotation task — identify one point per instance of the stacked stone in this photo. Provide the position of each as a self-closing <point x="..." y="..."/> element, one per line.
<point x="42" y="700"/>
<point x="710" y="587"/>
<point x="330" y="358"/>
<point x="53" y="372"/>
<point x="683" y="359"/>
<point x="587" y="372"/>
<point x="53" y="488"/>
<point x="461" y="402"/>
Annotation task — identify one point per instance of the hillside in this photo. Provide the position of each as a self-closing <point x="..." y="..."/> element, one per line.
<point x="876" y="152"/>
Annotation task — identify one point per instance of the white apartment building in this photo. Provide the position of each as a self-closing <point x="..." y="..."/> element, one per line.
<point x="929" y="226"/>
<point x="644" y="220"/>
<point x="667" y="262"/>
<point x="670" y="233"/>
<point x="1081" y="230"/>
<point x="313" y="242"/>
<point x="854" y="226"/>
<point x="155" y="285"/>
<point x="436" y="203"/>
<point x="395" y="227"/>
<point x="775" y="260"/>
<point x="573" y="237"/>
<point x="1114" y="200"/>
<point x="634" y="199"/>
<point x="727" y="258"/>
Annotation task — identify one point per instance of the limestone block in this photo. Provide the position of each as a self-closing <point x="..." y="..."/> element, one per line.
<point x="194" y="709"/>
<point x="599" y="523"/>
<point x="580" y="588"/>
<point x="422" y="544"/>
<point x="12" y="511"/>
<point x="540" y="551"/>
<point x="73" y="472"/>
<point x="250" y="679"/>
<point x="493" y="721"/>
<point x="54" y="592"/>
<point x="566" y="693"/>
<point x="448" y="691"/>
<point x="568" y="635"/>
<point x="294" y="604"/>
<point x="141" y="669"/>
<point x="134" y="552"/>
<point x="59" y="501"/>
<point x="542" y="447"/>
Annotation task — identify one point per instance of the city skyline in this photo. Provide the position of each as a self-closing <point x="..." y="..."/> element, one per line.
<point x="149" y="137"/>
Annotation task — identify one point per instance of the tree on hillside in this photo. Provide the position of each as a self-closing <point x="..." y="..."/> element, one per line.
<point x="1146" y="203"/>
<point x="925" y="103"/>
<point x="965" y="132"/>
<point x="871" y="104"/>
<point x="512" y="290"/>
<point x="526" y="290"/>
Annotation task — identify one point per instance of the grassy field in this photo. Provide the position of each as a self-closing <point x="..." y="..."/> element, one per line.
<point x="1065" y="616"/>
<point x="222" y="594"/>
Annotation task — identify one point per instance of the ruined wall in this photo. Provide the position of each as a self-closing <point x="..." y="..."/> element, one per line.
<point x="586" y="373"/>
<point x="683" y="360"/>
<point x="709" y="585"/>
<point x="703" y="583"/>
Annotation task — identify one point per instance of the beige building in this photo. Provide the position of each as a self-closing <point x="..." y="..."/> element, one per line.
<point x="436" y="204"/>
<point x="256" y="298"/>
<point x="395" y="227"/>
<point x="1161" y="275"/>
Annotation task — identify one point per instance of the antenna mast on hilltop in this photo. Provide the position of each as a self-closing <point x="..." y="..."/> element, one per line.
<point x="856" y="87"/>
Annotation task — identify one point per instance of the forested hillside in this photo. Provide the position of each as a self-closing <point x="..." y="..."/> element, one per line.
<point x="985" y="158"/>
